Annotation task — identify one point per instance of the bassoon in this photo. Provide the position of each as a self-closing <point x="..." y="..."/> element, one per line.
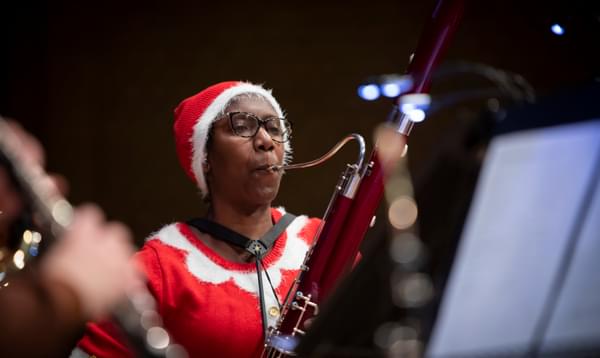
<point x="356" y="196"/>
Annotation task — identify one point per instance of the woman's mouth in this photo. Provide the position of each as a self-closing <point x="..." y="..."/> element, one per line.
<point x="267" y="168"/>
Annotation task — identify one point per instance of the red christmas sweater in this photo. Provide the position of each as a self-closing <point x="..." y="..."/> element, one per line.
<point x="209" y="304"/>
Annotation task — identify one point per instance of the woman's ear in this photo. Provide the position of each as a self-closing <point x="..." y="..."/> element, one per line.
<point x="205" y="165"/>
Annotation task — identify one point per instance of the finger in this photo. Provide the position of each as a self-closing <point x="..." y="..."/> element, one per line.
<point x="119" y="232"/>
<point x="60" y="183"/>
<point x="134" y="278"/>
<point x="87" y="221"/>
<point x="31" y="148"/>
<point x="91" y="211"/>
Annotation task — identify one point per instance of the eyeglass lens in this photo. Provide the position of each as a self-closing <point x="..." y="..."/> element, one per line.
<point x="247" y="125"/>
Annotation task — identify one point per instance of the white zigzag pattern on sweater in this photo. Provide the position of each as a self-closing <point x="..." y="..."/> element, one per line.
<point x="206" y="270"/>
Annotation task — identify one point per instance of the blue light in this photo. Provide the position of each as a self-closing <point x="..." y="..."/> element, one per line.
<point x="557" y="29"/>
<point x="33" y="250"/>
<point x="368" y="92"/>
<point x="391" y="89"/>
<point x="393" y="85"/>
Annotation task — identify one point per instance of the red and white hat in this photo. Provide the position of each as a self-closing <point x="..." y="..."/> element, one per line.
<point x="195" y="115"/>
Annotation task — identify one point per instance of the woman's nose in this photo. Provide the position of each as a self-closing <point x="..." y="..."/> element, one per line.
<point x="263" y="140"/>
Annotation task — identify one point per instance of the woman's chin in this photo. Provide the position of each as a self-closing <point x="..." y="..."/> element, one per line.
<point x="264" y="195"/>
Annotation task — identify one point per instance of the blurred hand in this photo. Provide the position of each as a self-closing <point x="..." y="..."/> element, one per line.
<point x="93" y="258"/>
<point x="391" y="147"/>
<point x="31" y="154"/>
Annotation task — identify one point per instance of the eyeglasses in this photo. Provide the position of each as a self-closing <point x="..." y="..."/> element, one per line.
<point x="246" y="125"/>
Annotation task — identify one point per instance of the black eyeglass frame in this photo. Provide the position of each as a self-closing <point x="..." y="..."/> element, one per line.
<point x="286" y="133"/>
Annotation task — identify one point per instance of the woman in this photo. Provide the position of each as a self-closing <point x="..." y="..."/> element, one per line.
<point x="229" y="137"/>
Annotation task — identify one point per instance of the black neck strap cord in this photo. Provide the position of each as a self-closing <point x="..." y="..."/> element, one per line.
<point x="258" y="248"/>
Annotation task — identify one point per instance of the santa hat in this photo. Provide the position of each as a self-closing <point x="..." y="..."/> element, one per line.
<point x="194" y="118"/>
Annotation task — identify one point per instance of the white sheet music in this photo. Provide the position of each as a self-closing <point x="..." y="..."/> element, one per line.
<point x="577" y="315"/>
<point x="525" y="206"/>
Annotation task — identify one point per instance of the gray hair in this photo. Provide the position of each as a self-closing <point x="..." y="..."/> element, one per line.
<point x="240" y="97"/>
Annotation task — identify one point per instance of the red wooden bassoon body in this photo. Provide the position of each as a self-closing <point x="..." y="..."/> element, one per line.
<point x="352" y="207"/>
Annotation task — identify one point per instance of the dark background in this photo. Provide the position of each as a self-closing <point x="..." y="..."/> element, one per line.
<point x="97" y="81"/>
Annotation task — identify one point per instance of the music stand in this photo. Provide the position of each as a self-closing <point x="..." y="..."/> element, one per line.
<point x="525" y="280"/>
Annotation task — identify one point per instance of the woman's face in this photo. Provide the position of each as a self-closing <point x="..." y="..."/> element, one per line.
<point x="237" y="166"/>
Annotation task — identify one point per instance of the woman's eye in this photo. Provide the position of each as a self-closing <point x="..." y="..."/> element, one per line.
<point x="241" y="127"/>
<point x="273" y="127"/>
<point x="274" y="130"/>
